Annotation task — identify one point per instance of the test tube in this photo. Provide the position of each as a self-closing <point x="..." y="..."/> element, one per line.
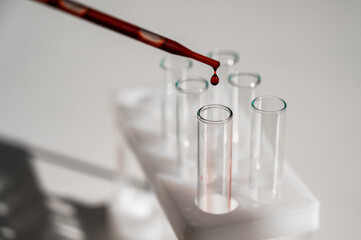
<point x="228" y="59"/>
<point x="191" y="95"/>
<point x="244" y="87"/>
<point x="214" y="159"/>
<point x="267" y="148"/>
<point x="174" y="68"/>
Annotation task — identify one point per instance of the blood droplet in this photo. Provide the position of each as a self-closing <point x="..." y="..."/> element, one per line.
<point x="214" y="79"/>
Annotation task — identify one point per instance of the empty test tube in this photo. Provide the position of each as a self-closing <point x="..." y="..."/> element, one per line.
<point x="191" y="95"/>
<point x="244" y="87"/>
<point x="267" y="148"/>
<point x="175" y="68"/>
<point x="214" y="159"/>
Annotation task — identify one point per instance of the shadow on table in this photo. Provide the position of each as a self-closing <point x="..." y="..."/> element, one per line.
<point x="26" y="213"/>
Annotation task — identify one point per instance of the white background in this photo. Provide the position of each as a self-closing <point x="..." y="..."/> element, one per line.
<point x="57" y="74"/>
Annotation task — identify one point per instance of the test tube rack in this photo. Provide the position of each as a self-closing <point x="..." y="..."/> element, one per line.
<point x="295" y="217"/>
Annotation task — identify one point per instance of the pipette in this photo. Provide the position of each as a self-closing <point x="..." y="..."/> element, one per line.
<point x="132" y="31"/>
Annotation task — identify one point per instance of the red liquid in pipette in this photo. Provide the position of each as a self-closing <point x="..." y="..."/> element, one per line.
<point x="132" y="31"/>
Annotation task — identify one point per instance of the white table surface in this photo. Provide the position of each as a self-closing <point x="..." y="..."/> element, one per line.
<point x="57" y="74"/>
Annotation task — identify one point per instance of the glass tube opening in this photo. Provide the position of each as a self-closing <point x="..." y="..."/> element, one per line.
<point x="215" y="114"/>
<point x="191" y="85"/>
<point x="175" y="63"/>
<point x="225" y="57"/>
<point x="269" y="104"/>
<point x="244" y="80"/>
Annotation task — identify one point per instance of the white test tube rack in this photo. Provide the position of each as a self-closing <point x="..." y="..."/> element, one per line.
<point x="294" y="218"/>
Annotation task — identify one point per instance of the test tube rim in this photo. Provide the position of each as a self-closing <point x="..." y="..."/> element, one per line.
<point x="165" y="67"/>
<point x="194" y="91"/>
<point x="234" y="54"/>
<point x="269" y="111"/>
<point x="207" y="121"/>
<point x="237" y="74"/>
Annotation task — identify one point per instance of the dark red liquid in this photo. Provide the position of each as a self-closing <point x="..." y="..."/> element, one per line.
<point x="132" y="31"/>
<point x="214" y="79"/>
